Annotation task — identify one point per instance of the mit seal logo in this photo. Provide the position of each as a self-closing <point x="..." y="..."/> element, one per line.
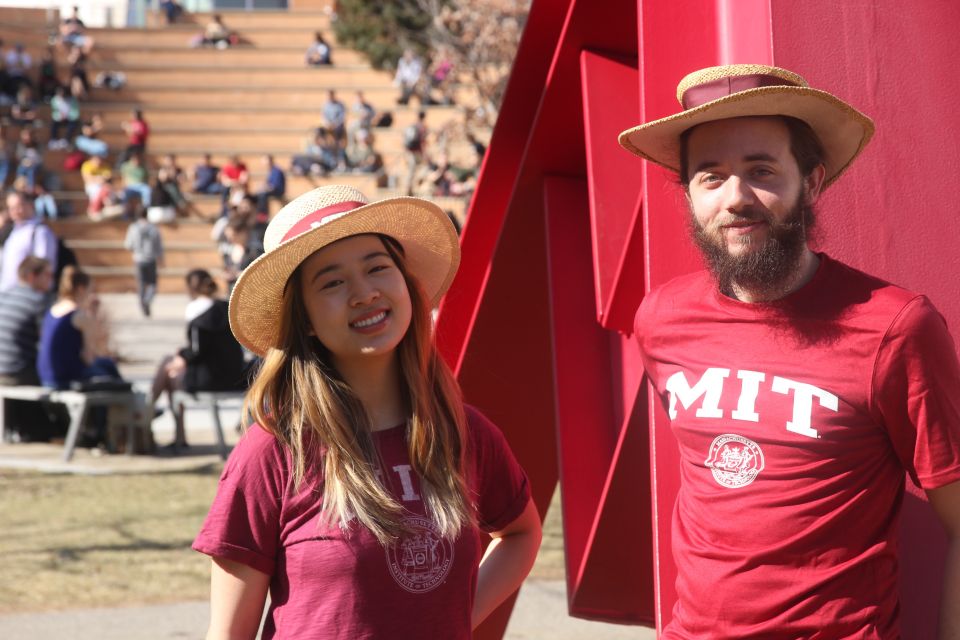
<point x="420" y="561"/>
<point x="734" y="460"/>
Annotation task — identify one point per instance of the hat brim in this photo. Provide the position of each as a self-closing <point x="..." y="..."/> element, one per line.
<point x="431" y="253"/>
<point x="843" y="131"/>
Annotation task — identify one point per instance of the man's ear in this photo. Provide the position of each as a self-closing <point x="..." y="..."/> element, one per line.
<point x="813" y="183"/>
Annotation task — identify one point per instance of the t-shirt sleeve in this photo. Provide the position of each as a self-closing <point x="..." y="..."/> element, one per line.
<point x="243" y="524"/>
<point x="501" y="485"/>
<point x="916" y="392"/>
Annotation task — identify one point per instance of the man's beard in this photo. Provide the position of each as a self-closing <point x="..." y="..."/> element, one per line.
<point x="768" y="269"/>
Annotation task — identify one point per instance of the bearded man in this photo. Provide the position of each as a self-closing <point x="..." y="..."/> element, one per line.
<point x="801" y="391"/>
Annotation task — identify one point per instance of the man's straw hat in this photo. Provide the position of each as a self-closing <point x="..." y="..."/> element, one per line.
<point x="321" y="217"/>
<point x="739" y="90"/>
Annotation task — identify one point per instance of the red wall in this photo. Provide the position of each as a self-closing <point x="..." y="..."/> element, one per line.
<point x="894" y="213"/>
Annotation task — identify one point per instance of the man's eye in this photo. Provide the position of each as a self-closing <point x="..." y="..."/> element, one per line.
<point x="709" y="178"/>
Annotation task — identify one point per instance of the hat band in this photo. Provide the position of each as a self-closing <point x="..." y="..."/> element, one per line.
<point x="709" y="91"/>
<point x="319" y="217"/>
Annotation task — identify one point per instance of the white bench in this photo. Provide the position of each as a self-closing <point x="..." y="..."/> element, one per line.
<point x="78" y="403"/>
<point x="211" y="399"/>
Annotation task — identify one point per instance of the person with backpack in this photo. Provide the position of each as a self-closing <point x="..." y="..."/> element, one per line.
<point x="143" y="239"/>
<point x="28" y="237"/>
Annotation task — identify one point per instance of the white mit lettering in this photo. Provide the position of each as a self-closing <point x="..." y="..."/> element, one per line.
<point x="709" y="389"/>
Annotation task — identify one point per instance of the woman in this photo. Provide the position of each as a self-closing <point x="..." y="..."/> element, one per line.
<point x="74" y="335"/>
<point x="360" y="496"/>
<point x="74" y="347"/>
<point x="211" y="361"/>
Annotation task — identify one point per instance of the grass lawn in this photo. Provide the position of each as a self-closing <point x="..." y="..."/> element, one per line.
<point x="75" y="541"/>
<point x="72" y="541"/>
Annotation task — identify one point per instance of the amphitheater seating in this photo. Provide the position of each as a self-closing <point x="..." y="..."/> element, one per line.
<point x="249" y="100"/>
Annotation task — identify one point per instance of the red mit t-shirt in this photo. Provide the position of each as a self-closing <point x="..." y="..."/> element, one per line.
<point x="326" y="584"/>
<point x="796" y="421"/>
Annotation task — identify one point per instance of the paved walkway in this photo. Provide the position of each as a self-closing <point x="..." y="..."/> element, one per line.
<point x="540" y="612"/>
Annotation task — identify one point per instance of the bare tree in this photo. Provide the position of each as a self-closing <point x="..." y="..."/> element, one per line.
<point x="481" y="39"/>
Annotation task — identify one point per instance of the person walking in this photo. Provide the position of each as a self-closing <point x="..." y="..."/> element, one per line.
<point x="361" y="493"/>
<point x="146" y="244"/>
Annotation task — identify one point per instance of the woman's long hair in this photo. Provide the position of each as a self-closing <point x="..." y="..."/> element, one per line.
<point x="301" y="399"/>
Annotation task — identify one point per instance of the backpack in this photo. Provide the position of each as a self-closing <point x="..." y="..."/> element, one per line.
<point x="412" y="139"/>
<point x="74" y="161"/>
<point x="65" y="255"/>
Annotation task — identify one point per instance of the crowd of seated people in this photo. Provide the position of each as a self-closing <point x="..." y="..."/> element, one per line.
<point x="72" y="337"/>
<point x="54" y="331"/>
<point x="344" y="141"/>
<point x="25" y="134"/>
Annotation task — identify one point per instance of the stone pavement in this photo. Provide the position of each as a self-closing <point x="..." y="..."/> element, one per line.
<point x="540" y="612"/>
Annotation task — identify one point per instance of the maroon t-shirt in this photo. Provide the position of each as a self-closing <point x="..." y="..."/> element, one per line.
<point x="797" y="422"/>
<point x="331" y="583"/>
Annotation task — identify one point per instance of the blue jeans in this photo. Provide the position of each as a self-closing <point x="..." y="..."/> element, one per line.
<point x="30" y="173"/>
<point x="141" y="190"/>
<point x="91" y="146"/>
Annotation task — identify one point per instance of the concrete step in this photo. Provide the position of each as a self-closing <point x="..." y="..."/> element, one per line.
<point x="80" y="227"/>
<point x="244" y="56"/>
<point x="278" y="130"/>
<point x="34" y="39"/>
<point x="73" y="181"/>
<point x="212" y="76"/>
<point x="306" y="116"/>
<point x="100" y="253"/>
<point x="209" y="206"/>
<point x="83" y="229"/>
<point x="177" y="36"/>
<point x="382" y="96"/>
<point x="254" y="96"/>
<point x="124" y="279"/>
<point x="274" y="140"/>
<point x="28" y="18"/>
<point x="237" y="20"/>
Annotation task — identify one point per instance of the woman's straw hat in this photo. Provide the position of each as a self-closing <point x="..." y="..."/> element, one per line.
<point x="739" y="90"/>
<point x="321" y="217"/>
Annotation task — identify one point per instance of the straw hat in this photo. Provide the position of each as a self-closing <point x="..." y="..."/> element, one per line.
<point x="738" y="90"/>
<point x="321" y="217"/>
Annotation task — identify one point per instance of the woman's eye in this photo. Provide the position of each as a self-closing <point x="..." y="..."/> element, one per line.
<point x="379" y="267"/>
<point x="330" y="284"/>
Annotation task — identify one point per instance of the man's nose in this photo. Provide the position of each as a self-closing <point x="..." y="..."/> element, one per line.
<point x="737" y="194"/>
